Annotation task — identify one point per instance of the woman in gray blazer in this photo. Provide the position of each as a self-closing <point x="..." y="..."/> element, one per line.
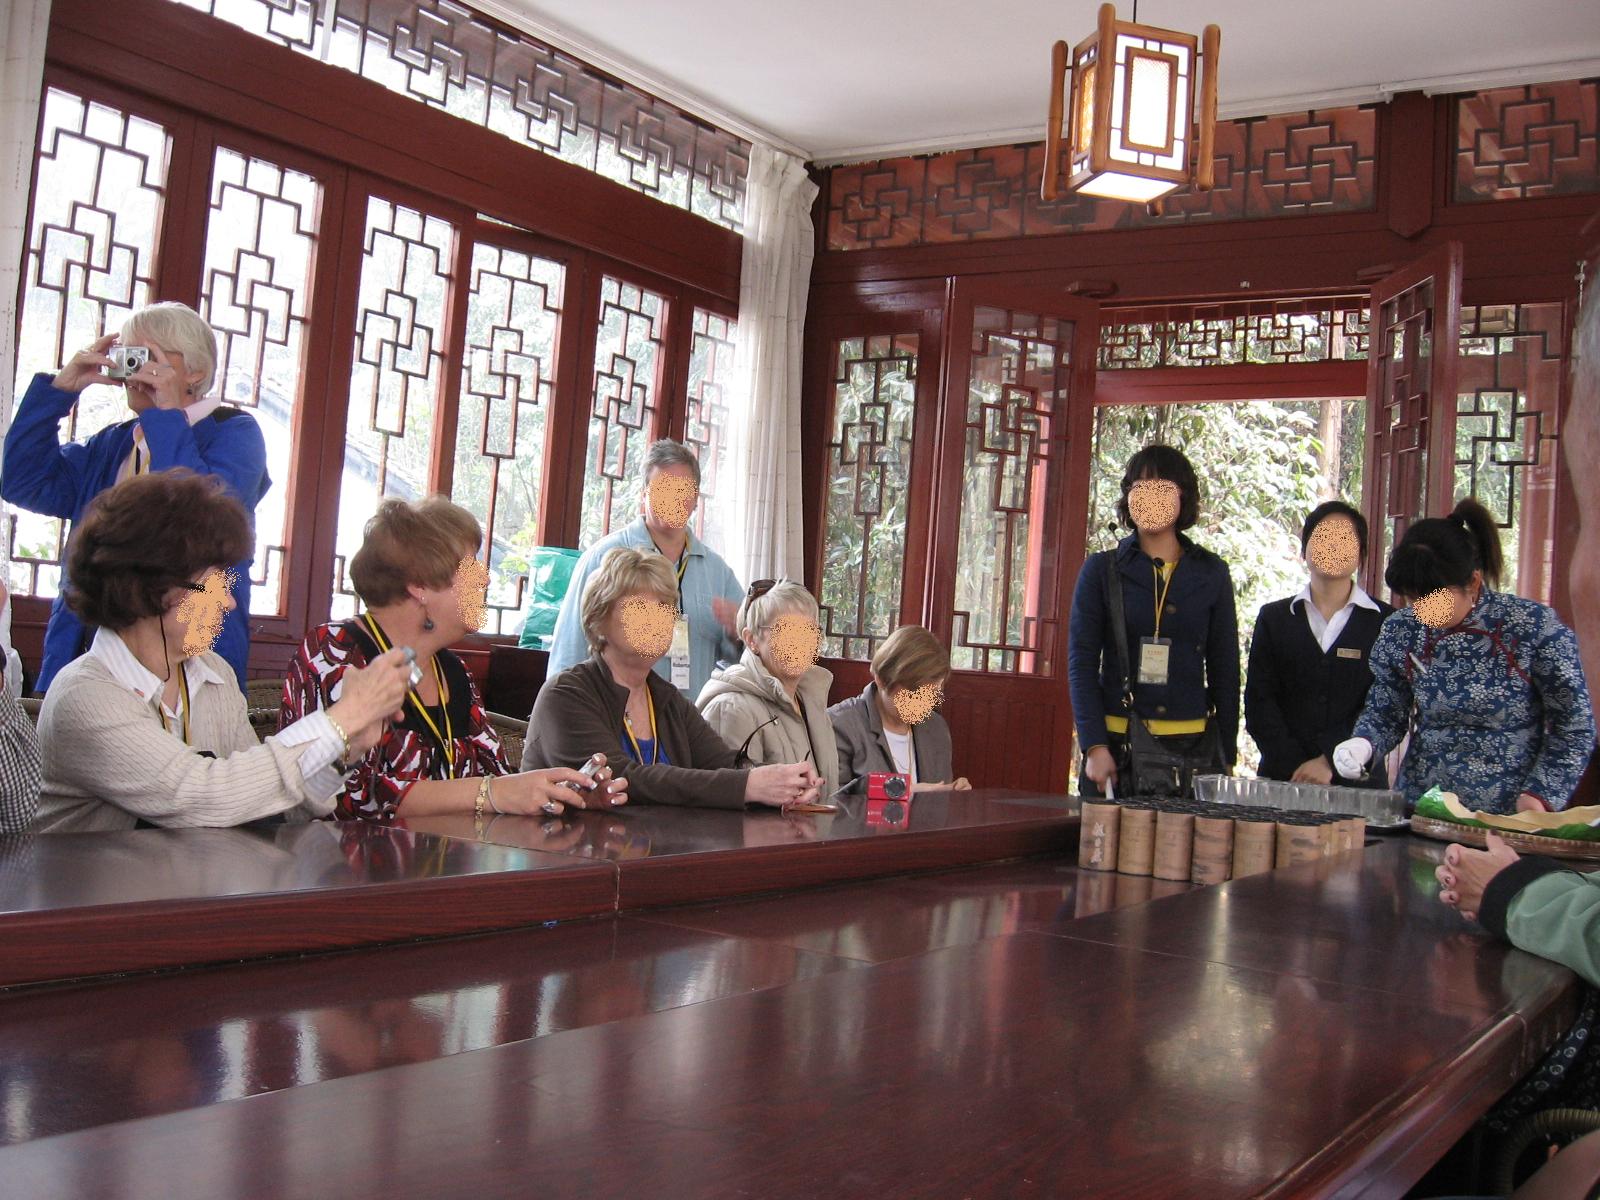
<point x="892" y="726"/>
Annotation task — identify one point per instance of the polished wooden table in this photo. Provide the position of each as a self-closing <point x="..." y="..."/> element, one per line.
<point x="1019" y="1029"/>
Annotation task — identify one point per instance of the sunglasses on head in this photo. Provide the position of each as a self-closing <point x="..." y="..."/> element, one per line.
<point x="760" y="588"/>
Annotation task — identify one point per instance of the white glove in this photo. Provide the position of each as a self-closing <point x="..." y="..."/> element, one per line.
<point x="1350" y="757"/>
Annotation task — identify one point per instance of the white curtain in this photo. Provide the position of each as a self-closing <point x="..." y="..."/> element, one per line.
<point x="24" y="26"/>
<point x="764" y="517"/>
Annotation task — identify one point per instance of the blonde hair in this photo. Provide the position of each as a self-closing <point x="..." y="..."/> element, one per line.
<point x="179" y="328"/>
<point x="785" y="596"/>
<point x="910" y="657"/>
<point x="623" y="572"/>
<point x="406" y="543"/>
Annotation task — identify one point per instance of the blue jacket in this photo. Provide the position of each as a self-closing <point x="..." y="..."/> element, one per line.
<point x="705" y="578"/>
<point x="1502" y="706"/>
<point x="43" y="475"/>
<point x="1200" y="618"/>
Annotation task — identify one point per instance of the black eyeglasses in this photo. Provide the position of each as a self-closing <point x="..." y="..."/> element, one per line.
<point x="760" y="588"/>
<point x="194" y="587"/>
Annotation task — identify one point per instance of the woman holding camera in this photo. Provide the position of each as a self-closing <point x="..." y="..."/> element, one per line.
<point x="614" y="701"/>
<point x="176" y="422"/>
<point x="418" y="574"/>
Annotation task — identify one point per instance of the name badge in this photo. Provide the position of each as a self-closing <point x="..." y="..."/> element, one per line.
<point x="1154" y="655"/>
<point x="680" y="653"/>
<point x="1349" y="652"/>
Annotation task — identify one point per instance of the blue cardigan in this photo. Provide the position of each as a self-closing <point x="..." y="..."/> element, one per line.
<point x="1201" y="620"/>
<point x="43" y="475"/>
<point x="1502" y="705"/>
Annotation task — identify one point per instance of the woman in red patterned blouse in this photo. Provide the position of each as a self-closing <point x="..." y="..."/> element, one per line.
<point x="418" y="574"/>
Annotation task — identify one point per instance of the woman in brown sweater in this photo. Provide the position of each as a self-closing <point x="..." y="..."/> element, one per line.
<point x="650" y="734"/>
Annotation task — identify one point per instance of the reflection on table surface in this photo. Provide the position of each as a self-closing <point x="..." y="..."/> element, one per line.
<point x="72" y="870"/>
<point x="658" y="831"/>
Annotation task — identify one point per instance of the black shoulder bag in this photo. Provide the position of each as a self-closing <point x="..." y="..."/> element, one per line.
<point x="1148" y="765"/>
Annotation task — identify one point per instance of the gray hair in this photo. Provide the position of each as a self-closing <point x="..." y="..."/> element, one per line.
<point x="786" y="596"/>
<point x="177" y="327"/>
<point x="624" y="571"/>
<point x="668" y="453"/>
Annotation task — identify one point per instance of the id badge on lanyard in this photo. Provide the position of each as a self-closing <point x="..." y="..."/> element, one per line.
<point x="680" y="653"/>
<point x="1154" y="656"/>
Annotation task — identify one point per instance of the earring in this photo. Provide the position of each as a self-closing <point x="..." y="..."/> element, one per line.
<point x="427" y="622"/>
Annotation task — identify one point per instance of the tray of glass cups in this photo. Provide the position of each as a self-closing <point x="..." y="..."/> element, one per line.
<point x="1382" y="809"/>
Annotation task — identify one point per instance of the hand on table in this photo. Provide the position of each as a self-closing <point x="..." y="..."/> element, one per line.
<point x="778" y="784"/>
<point x="1313" y="770"/>
<point x="1466" y="873"/>
<point x="546" y="791"/>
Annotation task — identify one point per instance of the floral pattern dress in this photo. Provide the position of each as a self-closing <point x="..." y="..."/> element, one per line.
<point x="409" y="751"/>
<point x="1500" y="700"/>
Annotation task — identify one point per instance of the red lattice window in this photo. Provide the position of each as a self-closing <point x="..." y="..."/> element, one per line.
<point x="1521" y="142"/>
<point x="507" y="382"/>
<point x="397" y="374"/>
<point x="623" y="418"/>
<point x="1401" y="432"/>
<point x="711" y="356"/>
<point x="869" y="482"/>
<point x="100" y="188"/>
<point x="1006" y="616"/>
<point x="447" y="56"/>
<point x="1209" y="335"/>
<point x="261" y="240"/>
<point x="1508" y="422"/>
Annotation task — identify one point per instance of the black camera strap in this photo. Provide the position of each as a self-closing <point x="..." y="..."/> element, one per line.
<point x="1119" y="624"/>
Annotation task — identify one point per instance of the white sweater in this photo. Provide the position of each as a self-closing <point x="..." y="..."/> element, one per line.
<point x="109" y="763"/>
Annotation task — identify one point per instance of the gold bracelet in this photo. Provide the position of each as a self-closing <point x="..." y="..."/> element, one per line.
<point x="488" y="788"/>
<point x="477" y="804"/>
<point x="344" y="754"/>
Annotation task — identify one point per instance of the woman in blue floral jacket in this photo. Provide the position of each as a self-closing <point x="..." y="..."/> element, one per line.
<point x="1502" y="711"/>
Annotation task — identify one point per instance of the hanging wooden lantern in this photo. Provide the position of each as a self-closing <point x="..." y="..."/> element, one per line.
<point x="1128" y="129"/>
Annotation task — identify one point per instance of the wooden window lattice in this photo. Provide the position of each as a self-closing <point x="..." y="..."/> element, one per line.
<point x="711" y="364"/>
<point x="1193" y="335"/>
<point x="261" y="239"/>
<point x="514" y="309"/>
<point x="869" y="483"/>
<point x="448" y="57"/>
<point x="100" y="190"/>
<point x="1519" y="143"/>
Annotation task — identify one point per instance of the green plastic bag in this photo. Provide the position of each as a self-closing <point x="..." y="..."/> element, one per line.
<point x="549" y="575"/>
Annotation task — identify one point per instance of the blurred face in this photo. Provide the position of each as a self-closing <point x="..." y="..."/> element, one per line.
<point x="670" y="498"/>
<point x="1446" y="607"/>
<point x="791" y="646"/>
<point x="641" y="624"/>
<point x="916" y="705"/>
<point x="471" y="588"/>
<point x="195" y="621"/>
<point x="1333" y="549"/>
<point x="1154" y="505"/>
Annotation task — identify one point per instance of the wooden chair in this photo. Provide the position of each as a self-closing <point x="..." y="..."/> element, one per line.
<point x="30" y="705"/>
<point x="512" y="731"/>
<point x="262" y="698"/>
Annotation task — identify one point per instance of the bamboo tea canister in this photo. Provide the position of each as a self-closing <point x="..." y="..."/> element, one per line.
<point x="1254" y="845"/>
<point x="1343" y="836"/>
<point x="1358" y="831"/>
<point x="1097" y="836"/>
<point x="1213" y="850"/>
<point x="1174" y="844"/>
<point x="1136" y="839"/>
<point x="1299" y="841"/>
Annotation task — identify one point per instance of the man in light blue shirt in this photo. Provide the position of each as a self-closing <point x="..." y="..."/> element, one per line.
<point x="709" y="592"/>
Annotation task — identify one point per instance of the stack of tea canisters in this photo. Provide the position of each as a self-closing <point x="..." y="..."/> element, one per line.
<point x="1207" y="843"/>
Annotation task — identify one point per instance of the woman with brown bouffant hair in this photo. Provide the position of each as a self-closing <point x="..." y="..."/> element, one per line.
<point x="418" y="574"/>
<point x="1502" y="712"/>
<point x="149" y="727"/>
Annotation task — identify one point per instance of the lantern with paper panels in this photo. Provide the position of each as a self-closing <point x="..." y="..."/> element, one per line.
<point x="1128" y="128"/>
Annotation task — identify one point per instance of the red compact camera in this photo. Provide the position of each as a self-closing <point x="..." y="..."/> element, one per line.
<point x="888" y="785"/>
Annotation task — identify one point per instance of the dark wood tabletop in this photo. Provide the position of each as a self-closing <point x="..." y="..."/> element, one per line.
<point x="1000" y="1031"/>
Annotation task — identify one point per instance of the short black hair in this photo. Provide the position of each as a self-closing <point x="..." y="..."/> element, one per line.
<point x="1162" y="462"/>
<point x="1334" y="508"/>
<point x="1441" y="552"/>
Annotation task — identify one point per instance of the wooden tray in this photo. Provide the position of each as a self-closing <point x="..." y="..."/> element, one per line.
<point x="1526" y="843"/>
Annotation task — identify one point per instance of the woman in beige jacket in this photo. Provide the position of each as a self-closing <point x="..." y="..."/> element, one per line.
<point x="772" y="705"/>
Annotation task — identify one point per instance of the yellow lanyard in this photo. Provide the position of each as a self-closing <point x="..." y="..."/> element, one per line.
<point x="446" y="739"/>
<point x="1162" y="576"/>
<point x="183" y="705"/>
<point x="655" y="741"/>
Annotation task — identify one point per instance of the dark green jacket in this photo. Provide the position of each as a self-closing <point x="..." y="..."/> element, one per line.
<point x="1544" y="907"/>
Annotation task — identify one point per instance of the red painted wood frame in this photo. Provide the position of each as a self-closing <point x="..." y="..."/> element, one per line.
<point x="1396" y="486"/>
<point x="993" y="708"/>
<point x="210" y="84"/>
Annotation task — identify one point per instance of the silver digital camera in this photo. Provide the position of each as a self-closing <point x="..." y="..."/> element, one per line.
<point x="127" y="361"/>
